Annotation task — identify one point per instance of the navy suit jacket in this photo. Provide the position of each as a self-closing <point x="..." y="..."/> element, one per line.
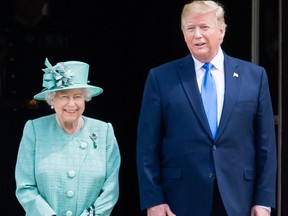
<point x="177" y="159"/>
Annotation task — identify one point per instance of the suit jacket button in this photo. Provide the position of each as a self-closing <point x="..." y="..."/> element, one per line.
<point x="214" y="147"/>
<point x="68" y="213"/>
<point x="71" y="173"/>
<point x="83" y="145"/>
<point x="70" y="193"/>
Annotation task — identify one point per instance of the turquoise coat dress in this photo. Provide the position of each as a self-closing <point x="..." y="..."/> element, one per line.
<point x="61" y="174"/>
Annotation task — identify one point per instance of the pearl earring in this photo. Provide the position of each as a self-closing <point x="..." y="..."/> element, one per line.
<point x="52" y="107"/>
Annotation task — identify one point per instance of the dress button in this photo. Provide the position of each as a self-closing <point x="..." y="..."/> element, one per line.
<point x="69" y="213"/>
<point x="71" y="173"/>
<point x="83" y="145"/>
<point x="210" y="175"/>
<point x="70" y="193"/>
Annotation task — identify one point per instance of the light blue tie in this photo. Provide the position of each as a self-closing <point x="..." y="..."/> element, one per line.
<point x="209" y="98"/>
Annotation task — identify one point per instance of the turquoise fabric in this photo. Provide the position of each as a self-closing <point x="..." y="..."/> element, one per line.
<point x="66" y="75"/>
<point x="63" y="174"/>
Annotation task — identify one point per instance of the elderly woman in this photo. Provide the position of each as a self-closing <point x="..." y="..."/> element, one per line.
<point x="67" y="164"/>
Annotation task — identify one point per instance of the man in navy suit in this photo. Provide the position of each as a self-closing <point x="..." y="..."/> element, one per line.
<point x="183" y="169"/>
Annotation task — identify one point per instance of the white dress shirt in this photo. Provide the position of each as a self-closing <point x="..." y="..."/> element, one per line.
<point x="217" y="72"/>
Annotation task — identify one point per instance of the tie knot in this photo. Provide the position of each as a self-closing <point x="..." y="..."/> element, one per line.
<point x="207" y="66"/>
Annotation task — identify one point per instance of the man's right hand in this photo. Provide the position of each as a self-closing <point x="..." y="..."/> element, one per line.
<point x="160" y="210"/>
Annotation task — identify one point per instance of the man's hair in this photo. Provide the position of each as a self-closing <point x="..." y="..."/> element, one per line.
<point x="202" y="6"/>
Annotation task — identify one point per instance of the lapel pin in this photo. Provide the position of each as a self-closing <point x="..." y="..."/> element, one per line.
<point x="235" y="74"/>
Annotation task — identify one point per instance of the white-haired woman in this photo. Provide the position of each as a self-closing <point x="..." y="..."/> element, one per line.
<point x="67" y="164"/>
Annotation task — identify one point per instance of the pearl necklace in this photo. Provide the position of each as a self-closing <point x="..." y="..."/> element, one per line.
<point x="79" y="125"/>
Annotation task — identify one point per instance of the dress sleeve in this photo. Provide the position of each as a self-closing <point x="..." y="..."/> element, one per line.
<point x="26" y="186"/>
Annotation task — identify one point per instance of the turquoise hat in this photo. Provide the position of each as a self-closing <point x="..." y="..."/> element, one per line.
<point x="66" y="75"/>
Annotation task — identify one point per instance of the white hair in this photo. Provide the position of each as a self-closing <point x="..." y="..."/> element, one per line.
<point x="50" y="95"/>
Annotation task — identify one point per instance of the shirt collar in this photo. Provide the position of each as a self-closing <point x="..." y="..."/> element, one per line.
<point x="217" y="61"/>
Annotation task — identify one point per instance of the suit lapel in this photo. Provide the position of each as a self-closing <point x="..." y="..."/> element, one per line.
<point x="233" y="80"/>
<point x="188" y="78"/>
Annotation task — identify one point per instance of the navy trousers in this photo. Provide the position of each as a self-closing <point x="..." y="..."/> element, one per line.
<point x="218" y="208"/>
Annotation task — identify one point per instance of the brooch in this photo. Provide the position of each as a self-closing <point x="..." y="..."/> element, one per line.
<point x="93" y="137"/>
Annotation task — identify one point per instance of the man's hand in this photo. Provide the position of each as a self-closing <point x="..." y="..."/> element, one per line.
<point x="259" y="211"/>
<point x="160" y="210"/>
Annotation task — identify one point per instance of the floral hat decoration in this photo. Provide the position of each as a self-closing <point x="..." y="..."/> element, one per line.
<point x="66" y="75"/>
